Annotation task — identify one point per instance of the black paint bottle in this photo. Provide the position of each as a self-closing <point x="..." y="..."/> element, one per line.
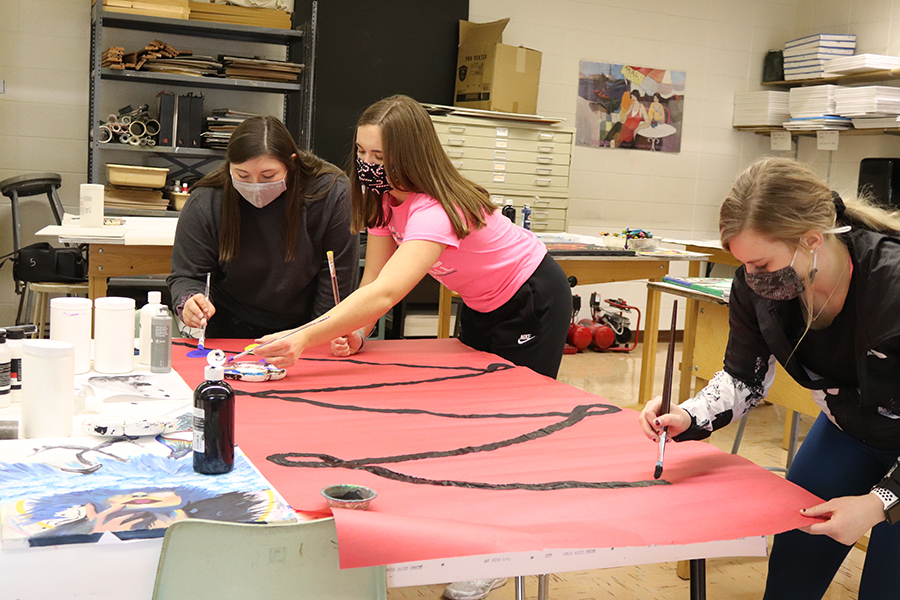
<point x="213" y="424"/>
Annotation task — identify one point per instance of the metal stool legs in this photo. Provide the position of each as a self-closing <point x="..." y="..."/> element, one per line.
<point x="792" y="442"/>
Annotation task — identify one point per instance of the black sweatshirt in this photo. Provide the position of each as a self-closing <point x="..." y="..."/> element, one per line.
<point x="258" y="286"/>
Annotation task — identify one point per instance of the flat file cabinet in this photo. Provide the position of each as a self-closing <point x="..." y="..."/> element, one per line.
<point x="526" y="162"/>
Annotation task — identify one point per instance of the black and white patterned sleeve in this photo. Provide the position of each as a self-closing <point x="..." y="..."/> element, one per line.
<point x="725" y="399"/>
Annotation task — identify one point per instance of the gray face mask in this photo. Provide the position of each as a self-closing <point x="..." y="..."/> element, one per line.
<point x="783" y="284"/>
<point x="259" y="194"/>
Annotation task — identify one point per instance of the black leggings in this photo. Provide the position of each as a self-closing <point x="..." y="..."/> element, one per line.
<point x="530" y="329"/>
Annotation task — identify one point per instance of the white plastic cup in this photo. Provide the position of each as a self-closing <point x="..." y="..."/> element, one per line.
<point x="48" y="389"/>
<point x="114" y="335"/>
<point x="90" y="203"/>
<point x="70" y="321"/>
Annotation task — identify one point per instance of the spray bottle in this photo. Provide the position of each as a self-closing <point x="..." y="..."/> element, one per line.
<point x="526" y="216"/>
<point x="214" y="420"/>
<point x="150" y="309"/>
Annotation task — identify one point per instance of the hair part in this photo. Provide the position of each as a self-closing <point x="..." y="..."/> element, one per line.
<point x="415" y="161"/>
<point x="781" y="199"/>
<point x="254" y="138"/>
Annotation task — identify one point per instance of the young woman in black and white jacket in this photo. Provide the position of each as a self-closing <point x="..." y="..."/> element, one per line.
<point x="819" y="292"/>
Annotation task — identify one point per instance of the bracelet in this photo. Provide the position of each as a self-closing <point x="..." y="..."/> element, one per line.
<point x="362" y="337"/>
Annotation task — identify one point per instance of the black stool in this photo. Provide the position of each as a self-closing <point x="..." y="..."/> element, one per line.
<point x="30" y="185"/>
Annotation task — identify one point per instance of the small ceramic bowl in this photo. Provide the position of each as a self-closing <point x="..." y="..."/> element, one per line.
<point x="347" y="495"/>
<point x="613" y="242"/>
<point x="643" y="244"/>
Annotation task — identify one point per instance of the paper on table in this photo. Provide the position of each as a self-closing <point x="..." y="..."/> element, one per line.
<point x="470" y="456"/>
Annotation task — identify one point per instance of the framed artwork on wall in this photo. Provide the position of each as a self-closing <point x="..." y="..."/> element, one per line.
<point x="623" y="106"/>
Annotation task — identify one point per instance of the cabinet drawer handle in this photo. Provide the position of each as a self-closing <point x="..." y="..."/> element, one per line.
<point x="502" y="132"/>
<point x="456" y="153"/>
<point x="457" y="163"/>
<point x="546" y="136"/>
<point x="456" y="141"/>
<point x="457" y="129"/>
<point x="542" y="181"/>
<point x="545" y="159"/>
<point x="539" y="224"/>
<point x="499" y="177"/>
<point x="544" y="171"/>
<point x="540" y="201"/>
<point x="545" y="148"/>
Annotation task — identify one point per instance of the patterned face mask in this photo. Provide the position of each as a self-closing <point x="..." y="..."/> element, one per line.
<point x="372" y="176"/>
<point x="259" y="194"/>
<point x="783" y="284"/>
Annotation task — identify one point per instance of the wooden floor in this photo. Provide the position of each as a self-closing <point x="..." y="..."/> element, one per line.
<point x="616" y="377"/>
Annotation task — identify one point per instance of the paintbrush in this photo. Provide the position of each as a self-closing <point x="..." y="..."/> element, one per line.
<point x="667" y="392"/>
<point x="203" y="330"/>
<point x="231" y="359"/>
<point x="334" y="282"/>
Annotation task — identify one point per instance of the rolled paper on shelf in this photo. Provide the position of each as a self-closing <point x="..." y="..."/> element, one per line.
<point x="105" y="134"/>
<point x="137" y="128"/>
<point x="151" y="126"/>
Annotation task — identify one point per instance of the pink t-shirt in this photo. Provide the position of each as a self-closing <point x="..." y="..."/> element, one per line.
<point x="486" y="268"/>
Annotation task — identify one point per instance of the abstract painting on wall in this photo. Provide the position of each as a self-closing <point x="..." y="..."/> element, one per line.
<point x="623" y="106"/>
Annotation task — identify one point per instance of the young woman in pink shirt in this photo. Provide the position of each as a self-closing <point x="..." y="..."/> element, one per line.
<point x="423" y="217"/>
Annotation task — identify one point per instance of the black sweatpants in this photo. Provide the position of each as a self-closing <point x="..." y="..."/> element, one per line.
<point x="530" y="329"/>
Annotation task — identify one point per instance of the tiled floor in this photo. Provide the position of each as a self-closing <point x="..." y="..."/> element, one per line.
<point x="616" y="377"/>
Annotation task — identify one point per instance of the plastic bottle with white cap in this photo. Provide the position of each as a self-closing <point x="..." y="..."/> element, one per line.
<point x="5" y="368"/>
<point x="214" y="421"/>
<point x="14" y="337"/>
<point x="48" y="390"/>
<point x="148" y="311"/>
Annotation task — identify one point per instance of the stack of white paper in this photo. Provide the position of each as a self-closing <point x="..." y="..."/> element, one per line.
<point x="805" y="58"/>
<point x="812" y="101"/>
<point x="867" y="101"/>
<point x="761" y="109"/>
<point x="876" y="122"/>
<point x="861" y="63"/>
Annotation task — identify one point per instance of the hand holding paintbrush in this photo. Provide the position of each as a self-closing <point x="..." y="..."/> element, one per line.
<point x="666" y="404"/>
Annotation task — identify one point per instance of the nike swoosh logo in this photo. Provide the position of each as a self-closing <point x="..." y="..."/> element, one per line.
<point x="525" y="338"/>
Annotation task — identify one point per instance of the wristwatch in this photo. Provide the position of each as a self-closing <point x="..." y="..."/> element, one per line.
<point x="891" y="504"/>
<point x="887" y="491"/>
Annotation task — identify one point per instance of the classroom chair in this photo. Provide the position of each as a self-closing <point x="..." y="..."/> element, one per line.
<point x="210" y="560"/>
<point x="22" y="186"/>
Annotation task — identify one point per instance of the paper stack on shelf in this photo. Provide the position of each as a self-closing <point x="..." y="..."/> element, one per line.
<point x="861" y="63"/>
<point x="761" y="109"/>
<point x="239" y="15"/>
<point x="171" y="9"/>
<point x="867" y="101"/>
<point x="237" y="67"/>
<point x="117" y="196"/>
<point x="805" y="58"/>
<point x="814" y="108"/>
<point x="221" y="125"/>
<point x="876" y="122"/>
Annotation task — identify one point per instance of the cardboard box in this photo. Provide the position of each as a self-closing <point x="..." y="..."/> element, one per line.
<point x="493" y="76"/>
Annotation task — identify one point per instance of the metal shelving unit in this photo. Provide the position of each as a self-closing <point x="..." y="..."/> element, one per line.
<point x="299" y="45"/>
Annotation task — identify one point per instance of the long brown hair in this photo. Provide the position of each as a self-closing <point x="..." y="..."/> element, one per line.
<point x="415" y="162"/>
<point x="253" y="138"/>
